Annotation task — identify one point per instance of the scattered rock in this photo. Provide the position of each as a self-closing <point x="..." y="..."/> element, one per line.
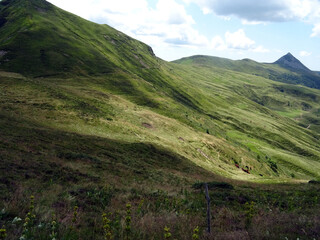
<point x="109" y="39"/>
<point x="202" y="153"/>
<point x="144" y="64"/>
<point x="147" y="125"/>
<point x="136" y="56"/>
<point x="2" y="53"/>
<point x="181" y="139"/>
<point x="41" y="10"/>
<point x="151" y="51"/>
<point x="245" y="170"/>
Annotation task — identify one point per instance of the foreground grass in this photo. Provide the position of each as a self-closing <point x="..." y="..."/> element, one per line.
<point x="225" y="116"/>
<point x="237" y="212"/>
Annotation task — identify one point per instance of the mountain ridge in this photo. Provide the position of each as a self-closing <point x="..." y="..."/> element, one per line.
<point x="281" y="70"/>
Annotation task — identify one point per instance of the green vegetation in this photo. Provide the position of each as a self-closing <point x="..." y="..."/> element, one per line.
<point x="245" y="211"/>
<point x="279" y="71"/>
<point x="89" y="117"/>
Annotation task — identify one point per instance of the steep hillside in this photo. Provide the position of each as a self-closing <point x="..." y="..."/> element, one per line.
<point x="39" y="39"/>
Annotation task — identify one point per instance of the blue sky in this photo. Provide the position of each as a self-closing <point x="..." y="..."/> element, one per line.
<point x="262" y="30"/>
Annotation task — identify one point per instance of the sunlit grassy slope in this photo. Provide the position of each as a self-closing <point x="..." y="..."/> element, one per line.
<point x="88" y="99"/>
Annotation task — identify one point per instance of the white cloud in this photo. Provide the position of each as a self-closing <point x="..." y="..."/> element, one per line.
<point x="206" y="10"/>
<point x="260" y="49"/>
<point x="300" y="9"/>
<point x="171" y="12"/>
<point x="246" y="22"/>
<point x="316" y="30"/>
<point x="305" y="53"/>
<point x="238" y="40"/>
<point x="218" y="43"/>
<point x="167" y="23"/>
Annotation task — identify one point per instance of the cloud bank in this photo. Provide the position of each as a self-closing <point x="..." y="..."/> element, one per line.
<point x="262" y="11"/>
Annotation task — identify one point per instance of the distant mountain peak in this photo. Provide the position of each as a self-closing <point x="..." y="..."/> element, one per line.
<point x="290" y="62"/>
<point x="289" y="55"/>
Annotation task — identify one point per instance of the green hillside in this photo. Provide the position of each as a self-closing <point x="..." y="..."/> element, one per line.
<point x="91" y="117"/>
<point x="290" y="100"/>
<point x="40" y="39"/>
<point x="287" y="69"/>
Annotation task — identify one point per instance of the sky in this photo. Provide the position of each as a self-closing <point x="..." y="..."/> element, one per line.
<point x="262" y="30"/>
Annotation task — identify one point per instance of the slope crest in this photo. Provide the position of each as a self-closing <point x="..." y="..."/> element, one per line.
<point x="37" y="38"/>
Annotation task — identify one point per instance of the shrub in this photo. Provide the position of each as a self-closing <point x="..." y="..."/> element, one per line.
<point x="3" y="233"/>
<point x="314" y="182"/>
<point x="273" y="165"/>
<point x="167" y="234"/>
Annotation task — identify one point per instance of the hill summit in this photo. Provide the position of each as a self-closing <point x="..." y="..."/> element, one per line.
<point x="39" y="39"/>
<point x="288" y="61"/>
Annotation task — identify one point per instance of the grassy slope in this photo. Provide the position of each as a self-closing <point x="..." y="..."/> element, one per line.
<point x="270" y="71"/>
<point x="296" y="102"/>
<point x="248" y="121"/>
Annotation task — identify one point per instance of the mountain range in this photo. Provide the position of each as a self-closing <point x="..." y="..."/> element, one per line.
<point x="291" y="70"/>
